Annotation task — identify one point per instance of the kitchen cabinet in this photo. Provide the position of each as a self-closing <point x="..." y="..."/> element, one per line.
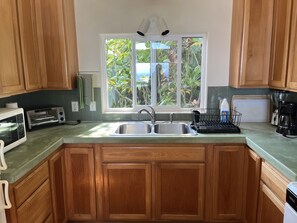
<point x="59" y="42"/>
<point x="252" y="185"/>
<point x="283" y="56"/>
<point x="58" y="187"/>
<point x="292" y="63"/>
<point x="11" y="71"/>
<point x="180" y="191"/>
<point x="225" y="179"/>
<point x="32" y="54"/>
<point x="165" y="182"/>
<point x="270" y="207"/>
<point x="250" y="43"/>
<point x="127" y="191"/>
<point x="31" y="197"/>
<point x="272" y="196"/>
<point x="280" y="43"/>
<point x="80" y="182"/>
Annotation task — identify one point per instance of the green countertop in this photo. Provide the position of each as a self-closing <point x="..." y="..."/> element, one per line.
<point x="279" y="151"/>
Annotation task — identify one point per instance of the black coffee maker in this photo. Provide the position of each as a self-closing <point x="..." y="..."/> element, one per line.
<point x="287" y="124"/>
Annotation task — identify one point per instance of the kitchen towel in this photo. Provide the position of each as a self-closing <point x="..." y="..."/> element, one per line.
<point x="85" y="89"/>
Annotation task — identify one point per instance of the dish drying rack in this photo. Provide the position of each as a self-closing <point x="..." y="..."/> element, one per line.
<point x="211" y="121"/>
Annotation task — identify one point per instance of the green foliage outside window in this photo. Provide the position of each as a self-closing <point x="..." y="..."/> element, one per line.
<point x="119" y="65"/>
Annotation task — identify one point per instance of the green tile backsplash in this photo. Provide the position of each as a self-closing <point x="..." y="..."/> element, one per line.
<point x="64" y="98"/>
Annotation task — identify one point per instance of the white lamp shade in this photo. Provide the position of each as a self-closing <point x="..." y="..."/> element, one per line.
<point x="163" y="27"/>
<point x="143" y="27"/>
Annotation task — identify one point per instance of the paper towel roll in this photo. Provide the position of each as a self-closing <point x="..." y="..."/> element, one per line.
<point x="12" y="105"/>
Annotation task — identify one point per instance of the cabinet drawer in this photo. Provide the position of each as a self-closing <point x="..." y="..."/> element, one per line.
<point x="25" y="188"/>
<point x="274" y="180"/>
<point x="141" y="154"/>
<point x="38" y="207"/>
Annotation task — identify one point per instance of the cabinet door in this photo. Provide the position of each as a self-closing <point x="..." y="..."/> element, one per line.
<point x="38" y="207"/>
<point x="271" y="208"/>
<point x="253" y="31"/>
<point x="11" y="73"/>
<point x="59" y="41"/>
<point x="252" y="184"/>
<point x="292" y="65"/>
<point x="80" y="181"/>
<point x="29" y="44"/>
<point x="227" y="182"/>
<point x="57" y="172"/>
<point x="127" y="191"/>
<point x="180" y="191"/>
<point x="280" y="43"/>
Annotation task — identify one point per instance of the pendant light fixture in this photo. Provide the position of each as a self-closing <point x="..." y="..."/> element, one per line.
<point x="155" y="24"/>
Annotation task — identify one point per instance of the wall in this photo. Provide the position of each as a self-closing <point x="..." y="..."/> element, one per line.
<point x="94" y="17"/>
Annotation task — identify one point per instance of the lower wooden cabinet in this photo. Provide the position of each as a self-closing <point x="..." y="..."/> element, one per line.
<point x="271" y="208"/>
<point x="180" y="191"/>
<point x="127" y="191"/>
<point x="225" y="176"/>
<point x="272" y="196"/>
<point x="183" y="182"/>
<point x="251" y="186"/>
<point x="80" y="181"/>
<point x="38" y="207"/>
<point x="31" y="198"/>
<point x="57" y="176"/>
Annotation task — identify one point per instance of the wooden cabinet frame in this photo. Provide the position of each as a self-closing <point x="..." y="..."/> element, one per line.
<point x="197" y="214"/>
<point x="147" y="190"/>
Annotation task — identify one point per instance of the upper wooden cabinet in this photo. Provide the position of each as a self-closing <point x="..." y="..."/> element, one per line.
<point x="58" y="41"/>
<point x="292" y="67"/>
<point x="283" y="69"/>
<point x="33" y="58"/>
<point x="11" y="72"/>
<point x="280" y="43"/>
<point x="250" y="43"/>
<point x="38" y="45"/>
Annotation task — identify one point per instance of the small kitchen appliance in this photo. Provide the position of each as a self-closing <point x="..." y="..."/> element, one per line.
<point x="12" y="127"/>
<point x="45" y="117"/>
<point x="290" y="214"/>
<point x="287" y="123"/>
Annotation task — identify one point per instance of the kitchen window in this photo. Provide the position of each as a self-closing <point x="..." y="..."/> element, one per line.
<point x="165" y="72"/>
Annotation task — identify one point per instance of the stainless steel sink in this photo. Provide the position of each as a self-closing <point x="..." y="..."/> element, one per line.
<point x="134" y="128"/>
<point x="172" y="128"/>
<point x="145" y="129"/>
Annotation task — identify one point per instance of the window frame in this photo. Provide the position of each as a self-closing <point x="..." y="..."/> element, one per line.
<point x="134" y="38"/>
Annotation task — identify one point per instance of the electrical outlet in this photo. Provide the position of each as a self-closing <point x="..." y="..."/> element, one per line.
<point x="74" y="106"/>
<point x="93" y="106"/>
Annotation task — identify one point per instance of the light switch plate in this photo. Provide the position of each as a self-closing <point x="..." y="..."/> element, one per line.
<point x="74" y="106"/>
<point x="93" y="106"/>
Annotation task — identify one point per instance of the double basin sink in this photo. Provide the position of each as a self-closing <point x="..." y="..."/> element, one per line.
<point x="142" y="128"/>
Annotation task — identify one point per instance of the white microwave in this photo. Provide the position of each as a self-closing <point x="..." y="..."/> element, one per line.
<point x="12" y="127"/>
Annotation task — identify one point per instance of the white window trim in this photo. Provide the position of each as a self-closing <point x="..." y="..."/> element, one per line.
<point x="165" y="109"/>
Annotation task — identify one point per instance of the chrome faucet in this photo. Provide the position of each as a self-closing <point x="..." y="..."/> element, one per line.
<point x="152" y="114"/>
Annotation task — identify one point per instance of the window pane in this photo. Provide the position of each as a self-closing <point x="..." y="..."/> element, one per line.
<point x="143" y="73"/>
<point x="191" y="71"/>
<point x="119" y="67"/>
<point x="164" y="67"/>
